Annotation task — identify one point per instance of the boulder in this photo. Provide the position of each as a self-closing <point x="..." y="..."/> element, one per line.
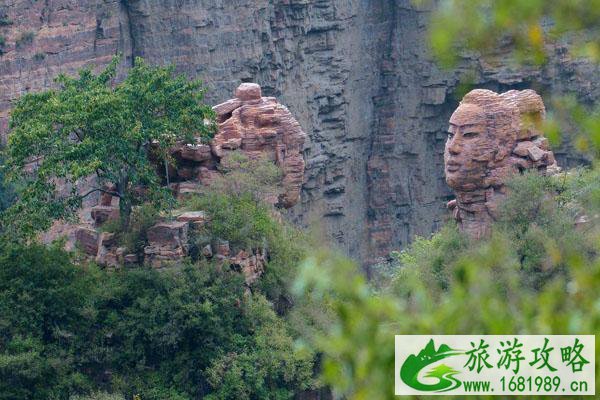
<point x="167" y="242"/>
<point x="248" y="91"/>
<point x="87" y="239"/>
<point x="168" y="234"/>
<point x="195" y="218"/>
<point x="101" y="214"/>
<point x="257" y="126"/>
<point x="197" y="153"/>
<point x="251" y="265"/>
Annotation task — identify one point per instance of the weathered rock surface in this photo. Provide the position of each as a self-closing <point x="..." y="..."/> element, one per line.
<point x="252" y="265"/>
<point x="101" y="214"/>
<point x="260" y="126"/>
<point x="356" y="74"/>
<point x="167" y="242"/>
<point x="254" y="125"/>
<point x="492" y="137"/>
<point x="87" y="239"/>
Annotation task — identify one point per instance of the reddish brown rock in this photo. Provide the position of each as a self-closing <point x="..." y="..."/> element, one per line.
<point x="87" y="239"/>
<point x="248" y="91"/>
<point x="101" y="214"/>
<point x="252" y="265"/>
<point x="197" y="153"/>
<point x="196" y="219"/>
<point x="167" y="242"/>
<point x="491" y="137"/>
<point x="168" y="234"/>
<point x="261" y="126"/>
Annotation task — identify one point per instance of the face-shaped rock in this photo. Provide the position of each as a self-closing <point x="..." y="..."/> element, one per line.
<point x="491" y="136"/>
<point x="469" y="148"/>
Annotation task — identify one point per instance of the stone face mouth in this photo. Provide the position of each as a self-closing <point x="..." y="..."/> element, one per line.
<point x="452" y="166"/>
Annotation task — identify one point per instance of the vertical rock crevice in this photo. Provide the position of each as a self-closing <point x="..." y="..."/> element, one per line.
<point x="356" y="74"/>
<point x="127" y="37"/>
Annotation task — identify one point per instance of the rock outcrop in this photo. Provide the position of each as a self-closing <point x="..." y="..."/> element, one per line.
<point x="259" y="126"/>
<point x="357" y="75"/>
<point x="491" y="137"/>
<point x="167" y="243"/>
<point x="254" y="125"/>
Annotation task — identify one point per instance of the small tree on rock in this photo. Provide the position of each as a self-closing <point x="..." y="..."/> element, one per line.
<point x="94" y="131"/>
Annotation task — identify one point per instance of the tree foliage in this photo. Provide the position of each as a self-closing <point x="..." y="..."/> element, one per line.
<point x="539" y="273"/>
<point x="67" y="330"/>
<point x="92" y="135"/>
<point x="529" y="27"/>
<point x="239" y="213"/>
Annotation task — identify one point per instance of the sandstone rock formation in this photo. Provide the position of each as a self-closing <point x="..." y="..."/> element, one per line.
<point x="257" y="126"/>
<point x="357" y="75"/>
<point x="491" y="137"/>
<point x="167" y="243"/>
<point x="254" y="125"/>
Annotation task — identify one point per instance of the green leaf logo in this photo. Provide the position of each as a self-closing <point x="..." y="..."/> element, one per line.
<point x="409" y="372"/>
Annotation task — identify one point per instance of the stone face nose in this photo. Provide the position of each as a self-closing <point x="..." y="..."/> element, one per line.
<point x="454" y="146"/>
<point x="248" y="91"/>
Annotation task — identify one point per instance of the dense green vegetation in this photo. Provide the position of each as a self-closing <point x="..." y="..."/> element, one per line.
<point x="539" y="273"/>
<point x="71" y="330"/>
<point x="177" y="334"/>
<point x="93" y="133"/>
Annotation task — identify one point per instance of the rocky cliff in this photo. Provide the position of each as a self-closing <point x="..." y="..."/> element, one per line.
<point x="355" y="73"/>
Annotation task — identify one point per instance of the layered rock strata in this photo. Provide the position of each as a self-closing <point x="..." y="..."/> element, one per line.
<point x="356" y="74"/>
<point x="260" y="126"/>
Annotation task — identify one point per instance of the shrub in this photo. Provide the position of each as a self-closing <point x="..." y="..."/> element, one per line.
<point x="536" y="274"/>
<point x="142" y="219"/>
<point x="178" y="334"/>
<point x="258" y="177"/>
<point x="43" y="300"/>
<point x="24" y="39"/>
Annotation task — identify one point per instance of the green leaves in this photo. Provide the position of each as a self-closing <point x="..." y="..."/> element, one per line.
<point x="529" y="26"/>
<point x="537" y="274"/>
<point x="183" y="333"/>
<point x="92" y="126"/>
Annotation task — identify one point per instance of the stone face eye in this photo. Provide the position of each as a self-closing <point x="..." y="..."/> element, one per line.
<point x="470" y="134"/>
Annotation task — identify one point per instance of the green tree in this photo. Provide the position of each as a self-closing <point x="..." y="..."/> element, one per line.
<point x="43" y="301"/>
<point x="539" y="273"/>
<point x="526" y="26"/>
<point x="91" y="135"/>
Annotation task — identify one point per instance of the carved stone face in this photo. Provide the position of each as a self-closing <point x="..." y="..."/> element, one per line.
<point x="469" y="149"/>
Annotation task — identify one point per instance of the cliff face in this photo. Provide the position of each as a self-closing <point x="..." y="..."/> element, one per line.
<point x="355" y="73"/>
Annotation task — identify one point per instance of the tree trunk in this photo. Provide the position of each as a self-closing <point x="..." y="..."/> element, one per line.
<point x="124" y="203"/>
